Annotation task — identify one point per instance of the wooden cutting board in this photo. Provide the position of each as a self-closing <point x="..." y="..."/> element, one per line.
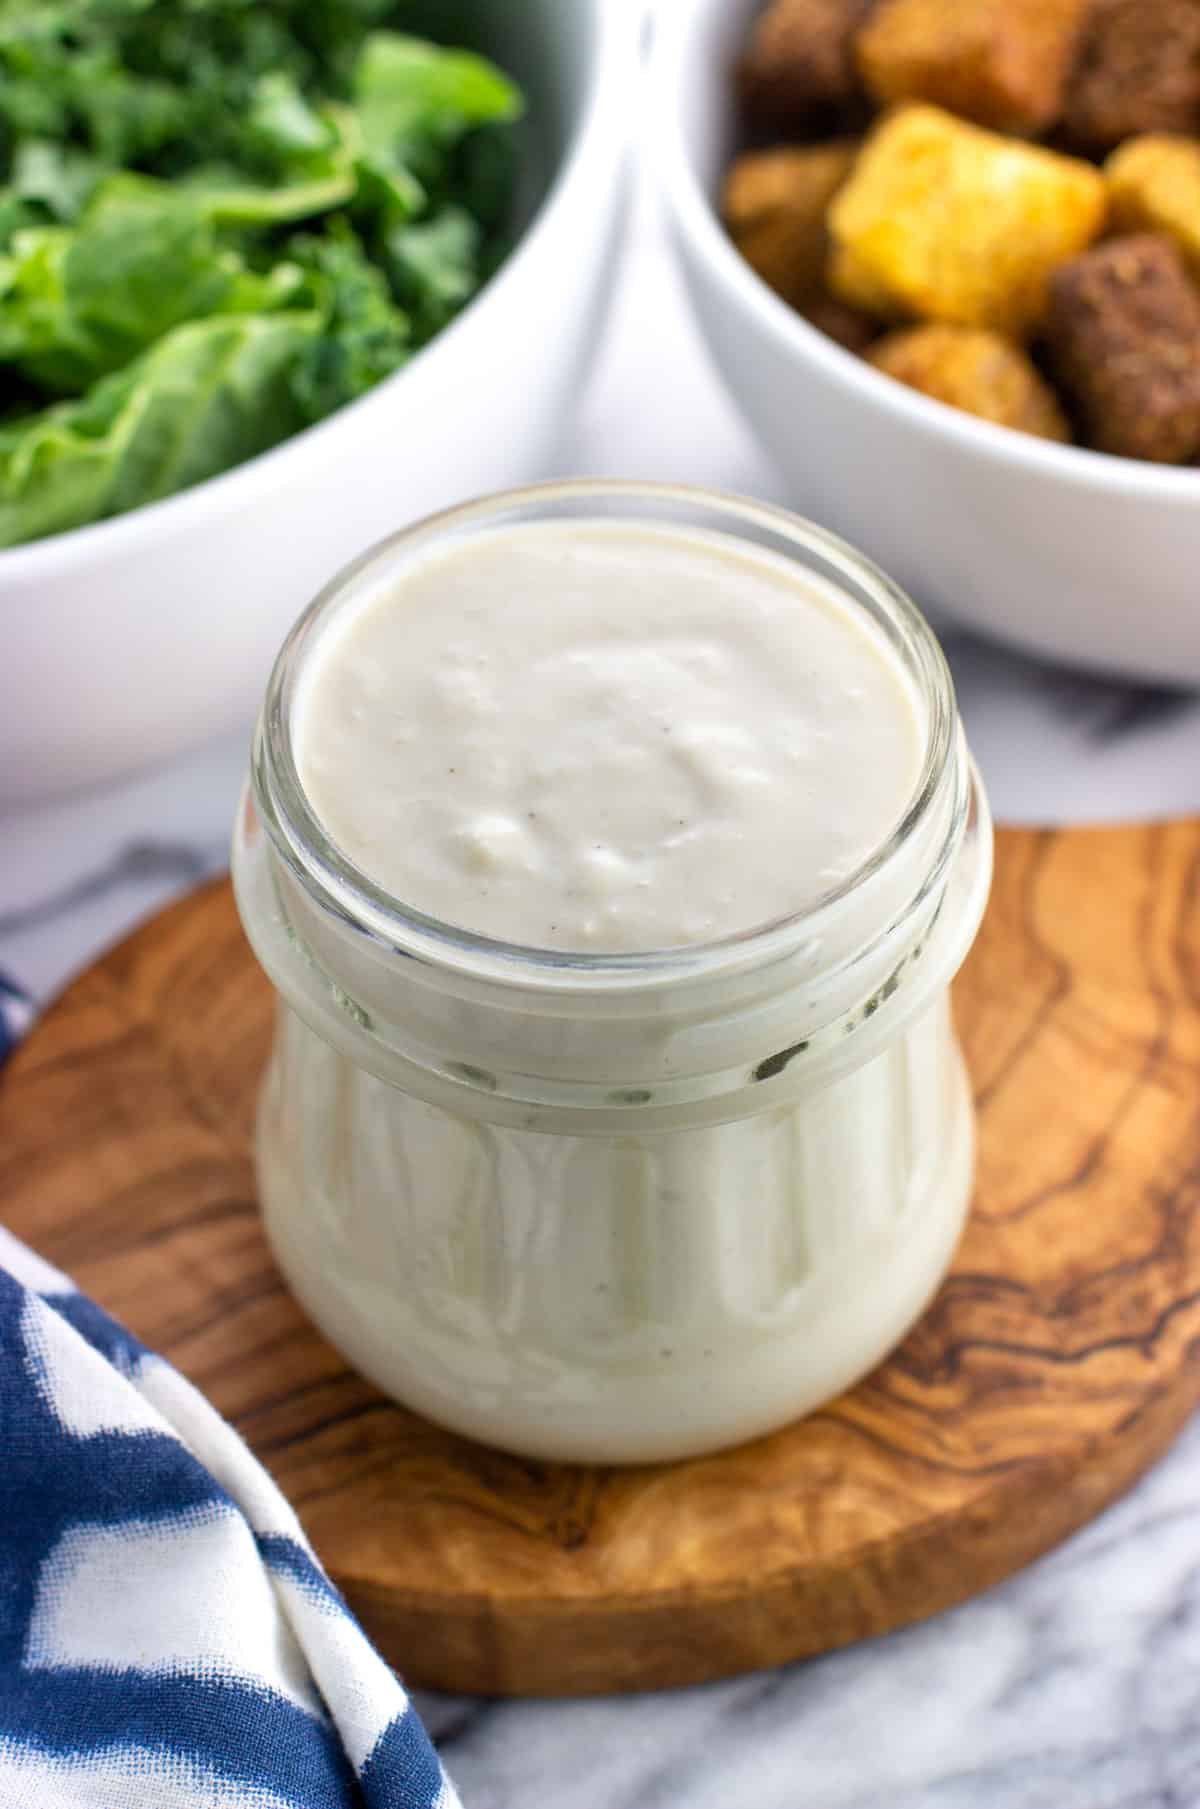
<point x="1059" y="1359"/>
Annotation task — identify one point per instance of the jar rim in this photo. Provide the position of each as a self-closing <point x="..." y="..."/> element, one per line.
<point x="337" y="882"/>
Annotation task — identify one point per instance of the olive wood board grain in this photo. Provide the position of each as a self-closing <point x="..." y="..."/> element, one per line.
<point x="1058" y="1360"/>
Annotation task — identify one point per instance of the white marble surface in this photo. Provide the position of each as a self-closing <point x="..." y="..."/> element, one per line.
<point x="1073" y="1686"/>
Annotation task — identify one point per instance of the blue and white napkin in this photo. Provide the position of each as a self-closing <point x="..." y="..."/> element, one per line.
<point x="168" y="1639"/>
<point x="16" y="1014"/>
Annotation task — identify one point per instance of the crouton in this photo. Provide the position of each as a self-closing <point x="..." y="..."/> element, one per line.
<point x="1138" y="70"/>
<point x="1124" y="335"/>
<point x="798" y="71"/>
<point x="976" y="370"/>
<point x="946" y="221"/>
<point x="1154" y="186"/>
<point x="775" y="203"/>
<point x="1002" y="63"/>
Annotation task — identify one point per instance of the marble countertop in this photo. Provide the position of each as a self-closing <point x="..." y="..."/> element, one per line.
<point x="1075" y="1685"/>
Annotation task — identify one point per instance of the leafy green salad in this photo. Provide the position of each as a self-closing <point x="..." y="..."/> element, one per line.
<point x="220" y="220"/>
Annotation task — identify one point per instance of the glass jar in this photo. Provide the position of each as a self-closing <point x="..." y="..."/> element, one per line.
<point x="617" y="1208"/>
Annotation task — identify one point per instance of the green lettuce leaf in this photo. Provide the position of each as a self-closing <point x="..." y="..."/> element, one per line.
<point x="57" y="178"/>
<point x="434" y="265"/>
<point x="207" y="396"/>
<point x="411" y="94"/>
<point x="283" y="125"/>
<point x="77" y="303"/>
<point x="310" y="178"/>
<point x="415" y="102"/>
<point x="364" y="336"/>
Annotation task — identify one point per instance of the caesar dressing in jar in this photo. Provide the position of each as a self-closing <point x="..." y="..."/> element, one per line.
<point x="612" y="848"/>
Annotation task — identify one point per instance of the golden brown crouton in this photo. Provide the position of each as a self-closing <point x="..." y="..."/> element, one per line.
<point x="973" y="369"/>
<point x="1003" y="63"/>
<point x="945" y="221"/>
<point x="1138" y="70"/>
<point x="798" y="68"/>
<point x="775" y="202"/>
<point x="1154" y="185"/>
<point x="1124" y="336"/>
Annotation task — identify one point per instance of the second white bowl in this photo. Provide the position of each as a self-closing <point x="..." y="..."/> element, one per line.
<point x="1092" y="559"/>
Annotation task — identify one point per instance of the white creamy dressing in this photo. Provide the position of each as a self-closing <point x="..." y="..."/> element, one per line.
<point x="601" y="737"/>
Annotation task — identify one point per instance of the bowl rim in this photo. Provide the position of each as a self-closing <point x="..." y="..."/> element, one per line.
<point x="695" y="220"/>
<point x="599" y="129"/>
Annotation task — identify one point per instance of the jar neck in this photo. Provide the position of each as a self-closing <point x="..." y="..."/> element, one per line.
<point x="624" y="1062"/>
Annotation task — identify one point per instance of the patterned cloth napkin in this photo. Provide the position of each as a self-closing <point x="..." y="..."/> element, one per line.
<point x="168" y="1640"/>
<point x="15" y="1014"/>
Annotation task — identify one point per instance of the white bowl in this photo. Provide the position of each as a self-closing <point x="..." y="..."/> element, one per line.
<point x="131" y="640"/>
<point x="1092" y="559"/>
